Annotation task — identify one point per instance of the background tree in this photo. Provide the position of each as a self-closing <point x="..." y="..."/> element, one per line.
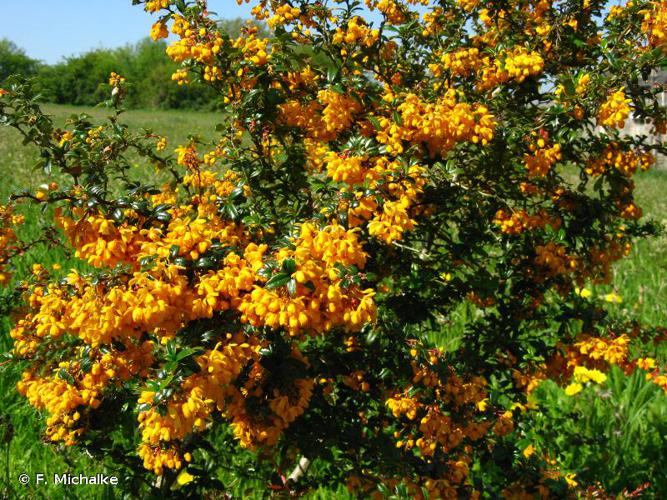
<point x="13" y="60"/>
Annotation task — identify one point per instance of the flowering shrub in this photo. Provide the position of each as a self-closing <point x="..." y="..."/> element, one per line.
<point x="276" y="291"/>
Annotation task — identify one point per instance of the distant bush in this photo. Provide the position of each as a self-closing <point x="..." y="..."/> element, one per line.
<point x="13" y="60"/>
<point x="80" y="80"/>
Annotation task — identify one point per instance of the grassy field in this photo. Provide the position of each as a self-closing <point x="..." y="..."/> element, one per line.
<point x="641" y="280"/>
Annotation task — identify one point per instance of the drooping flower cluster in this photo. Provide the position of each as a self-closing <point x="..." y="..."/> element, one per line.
<point x="190" y="410"/>
<point x="461" y="62"/>
<point x="516" y="222"/>
<point x="541" y="158"/>
<point x="440" y="125"/>
<point x="654" y="24"/>
<point x="513" y="65"/>
<point x="554" y="259"/>
<point x="321" y="298"/>
<point x="72" y="390"/>
<point x="322" y="119"/>
<point x="356" y="32"/>
<point x="625" y="162"/>
<point x="8" y="220"/>
<point x="99" y="241"/>
<point x="615" y="110"/>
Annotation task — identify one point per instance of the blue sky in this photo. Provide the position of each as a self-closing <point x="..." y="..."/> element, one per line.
<point x="51" y="29"/>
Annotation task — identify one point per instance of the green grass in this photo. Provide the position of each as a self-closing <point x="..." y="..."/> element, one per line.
<point x="641" y="279"/>
<point x="16" y="161"/>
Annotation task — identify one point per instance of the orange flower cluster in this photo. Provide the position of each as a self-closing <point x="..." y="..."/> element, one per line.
<point x="390" y="182"/>
<point x="510" y="65"/>
<point x="625" y="162"/>
<point x="253" y="49"/>
<point x="520" y="64"/>
<point x="283" y="15"/>
<point x="99" y="241"/>
<point x="156" y="5"/>
<point x="7" y="239"/>
<point x="554" y="259"/>
<point x="467" y="397"/>
<point x="654" y="24"/>
<point x="190" y="410"/>
<point x="440" y="125"/>
<point x="615" y="110"/>
<point x="468" y="5"/>
<point x="321" y="299"/>
<point x="338" y="111"/>
<point x="515" y="65"/>
<point x="197" y="45"/>
<point x="71" y="390"/>
<point x="541" y="158"/>
<point x="516" y="222"/>
<point x="159" y="31"/>
<point x="193" y="235"/>
<point x="629" y="210"/>
<point x="115" y="80"/>
<point x="392" y="11"/>
<point x="323" y="119"/>
<point x="393" y="222"/>
<point x="461" y="62"/>
<point x="596" y="351"/>
<point x="435" y="417"/>
<point x="356" y="33"/>
<point x="654" y="374"/>
<point x="349" y="170"/>
<point x="155" y="301"/>
<point x="259" y="411"/>
<point x="193" y="45"/>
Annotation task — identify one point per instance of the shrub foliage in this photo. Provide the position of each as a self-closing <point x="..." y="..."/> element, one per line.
<point x="272" y="299"/>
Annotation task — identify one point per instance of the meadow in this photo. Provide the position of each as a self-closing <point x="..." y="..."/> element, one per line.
<point x="640" y="280"/>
